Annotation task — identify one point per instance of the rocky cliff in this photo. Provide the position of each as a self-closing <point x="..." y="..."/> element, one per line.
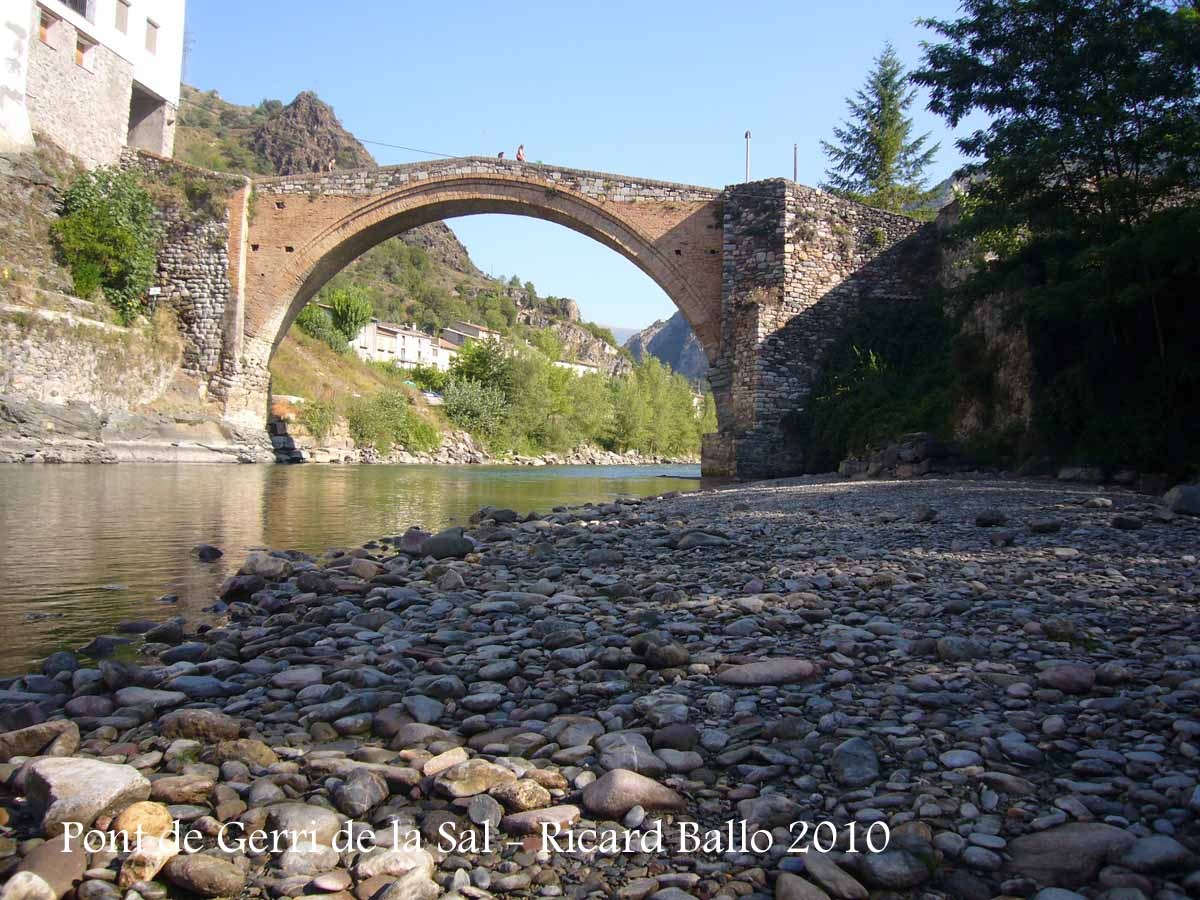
<point x="305" y="136"/>
<point x="671" y="341"/>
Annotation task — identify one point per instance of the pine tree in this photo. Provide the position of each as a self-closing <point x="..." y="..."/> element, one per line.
<point x="876" y="161"/>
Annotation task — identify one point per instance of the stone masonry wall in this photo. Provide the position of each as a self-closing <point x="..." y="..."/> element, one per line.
<point x="83" y="110"/>
<point x="798" y="262"/>
<point x="60" y="358"/>
<point x="194" y="266"/>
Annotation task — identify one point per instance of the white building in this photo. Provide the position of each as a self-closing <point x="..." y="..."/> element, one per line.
<point x="577" y="367"/>
<point x="93" y="76"/>
<point x="460" y="333"/>
<point x="402" y="346"/>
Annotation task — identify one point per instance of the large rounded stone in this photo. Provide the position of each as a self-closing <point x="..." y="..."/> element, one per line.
<point x="58" y="862"/>
<point x="303" y="823"/>
<point x="144" y="818"/>
<point x="248" y="751"/>
<point x="145" y="861"/>
<point x="205" y="875"/>
<point x="1067" y="856"/>
<point x="475" y="776"/>
<point x="616" y="792"/>
<point x="27" y="886"/>
<point x="521" y="795"/>
<point x="199" y="724"/>
<point x="781" y="670"/>
<point x="532" y="821"/>
<point x="854" y="763"/>
<point x="64" y="790"/>
<point x="36" y="739"/>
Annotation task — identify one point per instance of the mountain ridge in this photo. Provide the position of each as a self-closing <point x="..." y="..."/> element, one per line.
<point x="672" y="342"/>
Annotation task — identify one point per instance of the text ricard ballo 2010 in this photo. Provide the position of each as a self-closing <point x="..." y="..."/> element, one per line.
<point x="734" y="836"/>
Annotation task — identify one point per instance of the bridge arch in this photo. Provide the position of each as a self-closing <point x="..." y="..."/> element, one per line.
<point x="332" y="243"/>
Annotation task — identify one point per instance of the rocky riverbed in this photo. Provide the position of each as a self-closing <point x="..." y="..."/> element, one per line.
<point x="1004" y="673"/>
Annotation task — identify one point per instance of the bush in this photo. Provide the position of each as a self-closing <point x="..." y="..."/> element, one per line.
<point x="316" y="323"/>
<point x="350" y="311"/>
<point x="319" y="418"/>
<point x="479" y="408"/>
<point x="428" y="378"/>
<point x="108" y="238"/>
<point x="889" y="374"/>
<point x="386" y="421"/>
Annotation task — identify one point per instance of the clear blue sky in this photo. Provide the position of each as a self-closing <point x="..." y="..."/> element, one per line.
<point x="659" y="89"/>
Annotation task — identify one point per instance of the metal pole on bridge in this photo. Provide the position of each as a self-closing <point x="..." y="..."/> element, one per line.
<point x="747" y="155"/>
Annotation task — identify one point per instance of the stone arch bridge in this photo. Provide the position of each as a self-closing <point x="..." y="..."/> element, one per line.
<point x="765" y="272"/>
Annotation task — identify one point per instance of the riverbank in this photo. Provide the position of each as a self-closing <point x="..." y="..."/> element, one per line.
<point x="1003" y="672"/>
<point x="33" y="431"/>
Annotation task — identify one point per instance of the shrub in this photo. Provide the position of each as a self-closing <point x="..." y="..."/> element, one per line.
<point x="428" y="378"/>
<point x="477" y="407"/>
<point x="108" y="238"/>
<point x="386" y="421"/>
<point x="350" y="311"/>
<point x="316" y="323"/>
<point x="319" y="418"/>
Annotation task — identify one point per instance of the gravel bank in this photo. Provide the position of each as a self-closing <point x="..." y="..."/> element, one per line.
<point x="999" y="680"/>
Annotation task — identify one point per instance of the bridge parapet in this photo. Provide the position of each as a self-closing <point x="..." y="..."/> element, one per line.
<point x="598" y="186"/>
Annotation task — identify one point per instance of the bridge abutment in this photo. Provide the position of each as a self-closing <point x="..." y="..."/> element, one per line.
<point x="797" y="264"/>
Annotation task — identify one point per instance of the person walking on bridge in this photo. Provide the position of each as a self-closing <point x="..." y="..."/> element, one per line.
<point x="521" y="153"/>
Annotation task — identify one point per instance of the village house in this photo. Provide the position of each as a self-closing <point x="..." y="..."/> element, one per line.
<point x="459" y="333"/>
<point x="93" y="76"/>
<point x="403" y="345"/>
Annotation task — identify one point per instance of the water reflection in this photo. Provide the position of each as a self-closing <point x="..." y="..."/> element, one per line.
<point x="85" y="547"/>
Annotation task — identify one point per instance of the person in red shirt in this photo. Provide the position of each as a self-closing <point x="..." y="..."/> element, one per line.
<point x="521" y="153"/>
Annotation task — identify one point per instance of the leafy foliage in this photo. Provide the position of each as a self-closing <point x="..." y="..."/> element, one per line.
<point x="1084" y="197"/>
<point x="386" y="421"/>
<point x="876" y="160"/>
<point x="429" y="378"/>
<point x="349" y="310"/>
<point x="108" y="238"/>
<point x="474" y="406"/>
<point x="889" y="373"/>
<point x="317" y="323"/>
<point x="522" y="402"/>
<point x="319" y="417"/>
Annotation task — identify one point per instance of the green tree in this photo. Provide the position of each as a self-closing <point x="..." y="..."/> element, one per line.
<point x="316" y="323"/>
<point x="108" y="238"/>
<point x="876" y="160"/>
<point x="479" y="408"/>
<point x="485" y="362"/>
<point x="1083" y="196"/>
<point x="350" y="310"/>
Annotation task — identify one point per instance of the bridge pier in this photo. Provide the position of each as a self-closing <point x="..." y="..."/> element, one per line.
<point x="797" y="263"/>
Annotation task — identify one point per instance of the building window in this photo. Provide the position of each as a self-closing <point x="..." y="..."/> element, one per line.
<point x="84" y="53"/>
<point x="46" y="29"/>
<point x="123" y="16"/>
<point x="83" y="8"/>
<point x="151" y="35"/>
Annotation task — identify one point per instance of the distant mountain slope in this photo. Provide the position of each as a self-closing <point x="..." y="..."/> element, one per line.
<point x="673" y="343"/>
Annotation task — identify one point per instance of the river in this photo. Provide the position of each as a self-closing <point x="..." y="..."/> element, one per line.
<point x="83" y="548"/>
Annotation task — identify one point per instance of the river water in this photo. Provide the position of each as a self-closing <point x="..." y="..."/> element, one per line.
<point x="83" y="548"/>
